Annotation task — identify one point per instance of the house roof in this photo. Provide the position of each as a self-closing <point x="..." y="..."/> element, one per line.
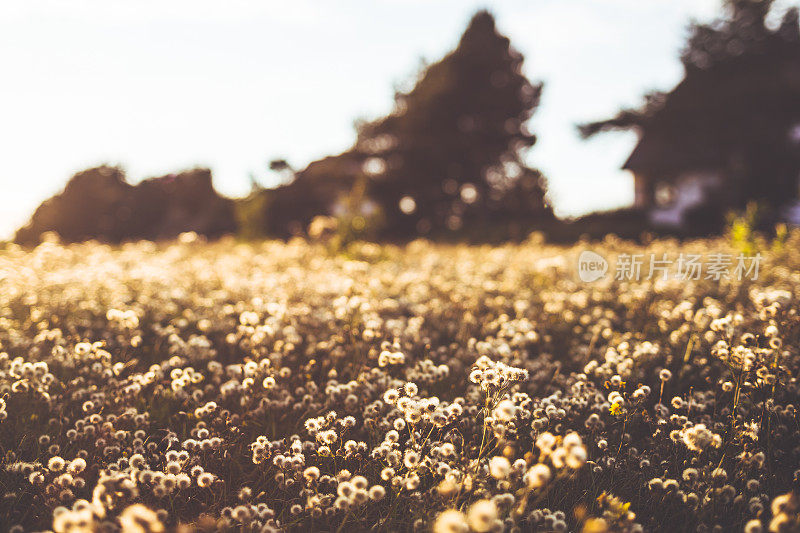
<point x="714" y="113"/>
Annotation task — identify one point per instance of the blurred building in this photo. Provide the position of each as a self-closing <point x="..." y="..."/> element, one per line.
<point x="729" y="132"/>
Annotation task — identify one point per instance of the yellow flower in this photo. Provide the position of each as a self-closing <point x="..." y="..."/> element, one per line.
<point x="615" y="408"/>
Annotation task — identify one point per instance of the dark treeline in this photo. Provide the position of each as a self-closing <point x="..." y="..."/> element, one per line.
<point x="449" y="161"/>
<point x="99" y="203"/>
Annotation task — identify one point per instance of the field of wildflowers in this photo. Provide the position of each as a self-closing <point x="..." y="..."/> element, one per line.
<point x="200" y="386"/>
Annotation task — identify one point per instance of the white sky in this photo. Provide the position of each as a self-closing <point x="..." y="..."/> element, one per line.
<point x="161" y="85"/>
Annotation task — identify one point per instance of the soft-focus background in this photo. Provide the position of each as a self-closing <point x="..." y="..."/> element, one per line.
<point x="164" y="86"/>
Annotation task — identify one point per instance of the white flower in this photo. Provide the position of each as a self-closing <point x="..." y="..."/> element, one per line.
<point x="546" y="442"/>
<point x="56" y="464"/>
<point x="139" y="519"/>
<point x="576" y="457"/>
<point x="450" y="521"/>
<point x="697" y="438"/>
<point x="499" y="467"/>
<point x="505" y="410"/>
<point x="481" y="515"/>
<point x="537" y="476"/>
<point x="376" y="492"/>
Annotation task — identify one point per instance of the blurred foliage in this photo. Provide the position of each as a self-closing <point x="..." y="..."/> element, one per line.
<point x="743" y="31"/>
<point x="357" y="219"/>
<point x="781" y="238"/>
<point x="740" y="37"/>
<point x="742" y="229"/>
<point x="250" y="214"/>
<point x="99" y="203"/>
<point x="751" y="232"/>
<point x="360" y="219"/>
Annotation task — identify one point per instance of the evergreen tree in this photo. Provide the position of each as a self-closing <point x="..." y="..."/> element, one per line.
<point x="451" y="154"/>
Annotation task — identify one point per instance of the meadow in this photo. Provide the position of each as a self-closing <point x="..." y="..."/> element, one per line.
<point x="193" y="386"/>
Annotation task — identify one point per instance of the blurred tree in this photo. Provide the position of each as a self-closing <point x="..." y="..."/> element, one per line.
<point x="99" y="203"/>
<point x="93" y="205"/>
<point x="449" y="159"/>
<point x="166" y="206"/>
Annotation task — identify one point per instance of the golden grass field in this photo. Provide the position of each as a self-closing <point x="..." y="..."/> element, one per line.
<point x="270" y="386"/>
